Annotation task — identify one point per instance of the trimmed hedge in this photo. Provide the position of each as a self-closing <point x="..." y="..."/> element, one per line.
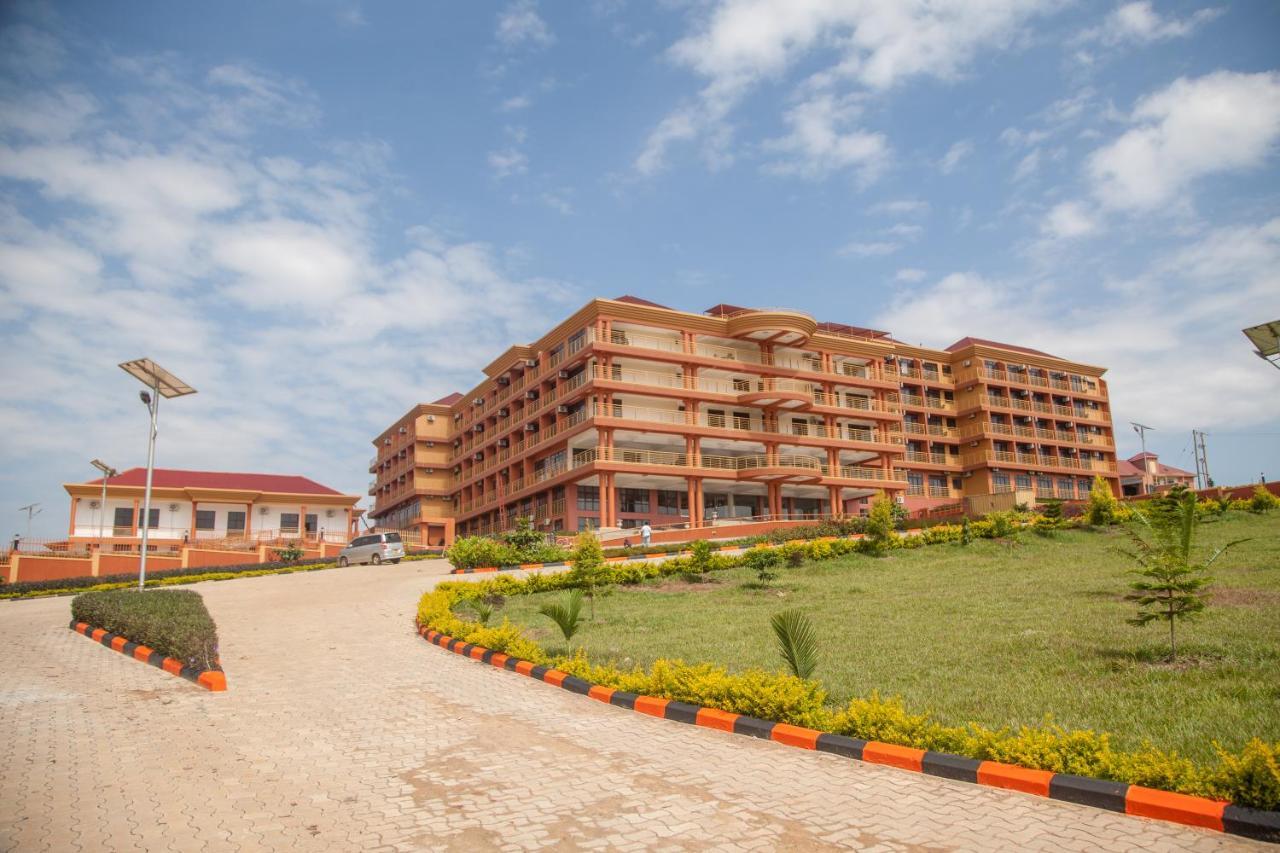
<point x="174" y="622"/>
<point x="1248" y="778"/>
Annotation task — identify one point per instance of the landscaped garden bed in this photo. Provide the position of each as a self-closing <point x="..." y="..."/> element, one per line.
<point x="173" y="622"/>
<point x="1013" y="650"/>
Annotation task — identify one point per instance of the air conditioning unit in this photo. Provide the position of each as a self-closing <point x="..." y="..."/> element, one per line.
<point x="431" y="470"/>
<point x="563" y="374"/>
<point x="328" y="513"/>
<point x="173" y="507"/>
<point x="502" y="442"/>
<point x="530" y="363"/>
<point x="503" y="412"/>
<point x="973" y="444"/>
<point x="478" y="428"/>
<point x="967" y="474"/>
<point x="968" y="363"/>
<point x="93" y="504"/>
<point x="431" y="444"/>
<point x="387" y="442"/>
<point x="562" y="410"/>
<point x="431" y="419"/>
<point x="263" y="510"/>
<point x="531" y="427"/>
<point x="503" y="380"/>
<point x="403" y="430"/>
<point x="531" y="394"/>
<point x="478" y="455"/>
<point x="478" y="401"/>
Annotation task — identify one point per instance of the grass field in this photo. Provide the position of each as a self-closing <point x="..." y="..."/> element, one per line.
<point x="994" y="633"/>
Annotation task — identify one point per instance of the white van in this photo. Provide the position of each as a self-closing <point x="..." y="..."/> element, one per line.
<point x="372" y="548"/>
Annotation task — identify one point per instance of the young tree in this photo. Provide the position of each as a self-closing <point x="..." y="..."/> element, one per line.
<point x="525" y="539"/>
<point x="588" y="565"/>
<point x="1101" y="509"/>
<point x="1050" y="517"/>
<point x="880" y="532"/>
<point x="1171" y="584"/>
<point x="1262" y="500"/>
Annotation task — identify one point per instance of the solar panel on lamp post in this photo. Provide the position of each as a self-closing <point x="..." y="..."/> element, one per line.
<point x="107" y="473"/>
<point x="1266" y="341"/>
<point x="161" y="383"/>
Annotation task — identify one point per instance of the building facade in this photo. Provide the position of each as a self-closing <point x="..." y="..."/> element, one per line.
<point x="194" y="506"/>
<point x="629" y="411"/>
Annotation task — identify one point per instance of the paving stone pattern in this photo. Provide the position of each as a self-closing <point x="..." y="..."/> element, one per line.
<point x="343" y="730"/>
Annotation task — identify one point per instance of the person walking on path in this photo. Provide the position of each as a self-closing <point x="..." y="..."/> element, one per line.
<point x="646" y="533"/>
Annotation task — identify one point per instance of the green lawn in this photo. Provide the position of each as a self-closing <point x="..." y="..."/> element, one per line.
<point x="993" y="633"/>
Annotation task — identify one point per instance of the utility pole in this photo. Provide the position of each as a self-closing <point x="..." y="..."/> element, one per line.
<point x="1203" y="480"/>
<point x="1141" y="430"/>
<point x="31" y="510"/>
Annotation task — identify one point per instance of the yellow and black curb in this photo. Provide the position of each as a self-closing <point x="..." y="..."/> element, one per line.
<point x="1113" y="796"/>
<point x="210" y="679"/>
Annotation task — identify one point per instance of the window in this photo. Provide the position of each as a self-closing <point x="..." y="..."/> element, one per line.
<point x="587" y="522"/>
<point x="124" y="518"/>
<point x="633" y="500"/>
<point x="1083" y="487"/>
<point x="289" y="521"/>
<point x="1024" y="482"/>
<point x="1044" y="485"/>
<point x="1001" y="482"/>
<point x="715" y="418"/>
<point x="312" y="522"/>
<point x="206" y="518"/>
<point x="1064" y="487"/>
<point x="588" y="498"/>
<point x="235" y="522"/>
<point x="391" y="537"/>
<point x="673" y="503"/>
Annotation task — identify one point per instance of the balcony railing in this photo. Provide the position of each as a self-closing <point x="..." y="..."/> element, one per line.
<point x="928" y="429"/>
<point x="1046" y="408"/>
<point x="1034" y="432"/>
<point x="1037" y="460"/>
<point x="930" y="458"/>
<point x="1018" y="377"/>
<point x="926" y="402"/>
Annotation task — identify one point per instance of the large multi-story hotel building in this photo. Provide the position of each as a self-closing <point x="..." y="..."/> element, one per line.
<point x="629" y="412"/>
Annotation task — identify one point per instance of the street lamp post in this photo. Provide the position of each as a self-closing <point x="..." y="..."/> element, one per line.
<point x="107" y="472"/>
<point x="1141" y="430"/>
<point x="161" y="383"/>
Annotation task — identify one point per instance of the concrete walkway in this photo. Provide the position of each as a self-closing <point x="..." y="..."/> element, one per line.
<point x="342" y="730"/>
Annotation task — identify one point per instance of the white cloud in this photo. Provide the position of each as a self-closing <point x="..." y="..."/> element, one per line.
<point x="821" y="141"/>
<point x="909" y="275"/>
<point x="263" y="279"/>
<point x="1139" y="23"/>
<point x="903" y="230"/>
<point x="520" y="24"/>
<point x="1191" y="302"/>
<point x="519" y="102"/>
<point x="868" y="249"/>
<point x="1068" y="220"/>
<point x="507" y="162"/>
<point x="901" y="207"/>
<point x="558" y="201"/>
<point x="735" y="44"/>
<point x="1222" y="122"/>
<point x="1027" y="166"/>
<point x="955" y="154"/>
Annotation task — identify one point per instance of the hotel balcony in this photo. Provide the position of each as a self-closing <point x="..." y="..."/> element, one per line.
<point x="1036" y="460"/>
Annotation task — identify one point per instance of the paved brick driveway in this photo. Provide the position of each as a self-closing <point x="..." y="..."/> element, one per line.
<point x="342" y="730"/>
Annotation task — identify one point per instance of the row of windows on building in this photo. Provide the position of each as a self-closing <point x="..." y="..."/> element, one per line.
<point x="207" y="519"/>
<point x="636" y="500"/>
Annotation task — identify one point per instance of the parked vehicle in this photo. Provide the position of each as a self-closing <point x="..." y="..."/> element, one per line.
<point x="372" y="548"/>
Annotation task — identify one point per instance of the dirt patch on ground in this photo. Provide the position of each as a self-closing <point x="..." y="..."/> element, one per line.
<point x="1245" y="597"/>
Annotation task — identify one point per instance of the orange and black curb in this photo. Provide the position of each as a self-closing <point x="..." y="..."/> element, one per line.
<point x="210" y="679"/>
<point x="1113" y="796"/>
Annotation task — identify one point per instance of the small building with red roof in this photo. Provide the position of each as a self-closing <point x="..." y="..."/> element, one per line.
<point x="192" y="506"/>
<point x="1144" y="474"/>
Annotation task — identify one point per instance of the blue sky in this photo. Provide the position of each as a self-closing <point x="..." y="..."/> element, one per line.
<point x="321" y="213"/>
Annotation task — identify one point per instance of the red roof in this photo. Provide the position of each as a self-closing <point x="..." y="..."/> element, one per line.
<point x="964" y="342"/>
<point x="448" y="399"/>
<point x="636" y="300"/>
<point x="170" y="478"/>
<point x="1125" y="468"/>
<point x="1148" y="455"/>
<point x="858" y="331"/>
<point x="1169" y="469"/>
<point x="724" y="310"/>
